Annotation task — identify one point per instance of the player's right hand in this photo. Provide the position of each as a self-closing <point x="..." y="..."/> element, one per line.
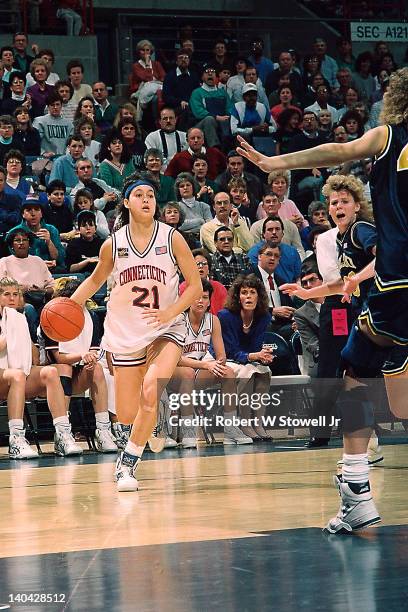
<point x="294" y="289"/>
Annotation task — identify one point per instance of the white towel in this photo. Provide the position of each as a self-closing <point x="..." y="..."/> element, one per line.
<point x="82" y="343"/>
<point x="17" y="353"/>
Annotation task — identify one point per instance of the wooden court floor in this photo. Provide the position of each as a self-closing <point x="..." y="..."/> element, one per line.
<point x="238" y="529"/>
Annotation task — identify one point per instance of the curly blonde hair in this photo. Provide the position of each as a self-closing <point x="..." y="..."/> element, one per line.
<point x="395" y="107"/>
<point x="350" y="183"/>
<point x="278" y="174"/>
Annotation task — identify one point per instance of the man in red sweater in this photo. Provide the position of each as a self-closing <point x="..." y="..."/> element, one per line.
<point x="183" y="161"/>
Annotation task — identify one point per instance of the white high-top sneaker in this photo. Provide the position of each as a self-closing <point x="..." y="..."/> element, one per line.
<point x="357" y="510"/>
<point x="19" y="447"/>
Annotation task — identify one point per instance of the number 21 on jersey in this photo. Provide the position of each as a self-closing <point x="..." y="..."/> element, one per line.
<point x="143" y="299"/>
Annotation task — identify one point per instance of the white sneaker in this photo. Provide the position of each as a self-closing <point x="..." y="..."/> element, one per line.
<point x="233" y="435"/>
<point x="19" y="447"/>
<point x="126" y="465"/>
<point x="158" y="438"/>
<point x="357" y="510"/>
<point x="170" y="443"/>
<point x="374" y="451"/>
<point x="64" y="443"/>
<point x="105" y="440"/>
<point x="121" y="433"/>
<point x="189" y="437"/>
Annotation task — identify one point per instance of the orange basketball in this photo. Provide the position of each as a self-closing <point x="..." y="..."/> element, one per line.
<point x="62" y="319"/>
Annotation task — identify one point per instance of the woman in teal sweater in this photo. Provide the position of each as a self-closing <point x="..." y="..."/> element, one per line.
<point x="116" y="165"/>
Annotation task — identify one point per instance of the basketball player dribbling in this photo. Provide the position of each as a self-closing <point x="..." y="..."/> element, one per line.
<point x="379" y="339"/>
<point x="144" y="329"/>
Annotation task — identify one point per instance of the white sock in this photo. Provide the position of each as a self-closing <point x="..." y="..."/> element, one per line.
<point x="355" y="468"/>
<point x="61" y="423"/>
<point x="133" y="449"/>
<point x="16" y="426"/>
<point x="102" y="420"/>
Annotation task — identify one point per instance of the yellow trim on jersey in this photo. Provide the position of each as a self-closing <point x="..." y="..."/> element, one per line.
<point x="365" y="317"/>
<point x="401" y="370"/>
<point x="386" y="144"/>
<point x="383" y="287"/>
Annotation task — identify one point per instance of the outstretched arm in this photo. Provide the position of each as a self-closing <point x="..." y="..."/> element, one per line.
<point x="323" y="156"/>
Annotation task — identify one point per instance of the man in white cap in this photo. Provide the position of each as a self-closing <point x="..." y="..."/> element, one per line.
<point x="250" y="117"/>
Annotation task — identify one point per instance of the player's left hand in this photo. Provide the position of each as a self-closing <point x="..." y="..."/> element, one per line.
<point x="155" y="317"/>
<point x="294" y="289"/>
<point x="349" y="287"/>
<point x="247" y="151"/>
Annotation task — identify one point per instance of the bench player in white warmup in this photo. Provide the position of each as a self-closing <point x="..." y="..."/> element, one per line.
<point x="144" y="329"/>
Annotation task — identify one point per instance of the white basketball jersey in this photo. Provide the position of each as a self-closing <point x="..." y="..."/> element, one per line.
<point x="141" y="280"/>
<point x="197" y="344"/>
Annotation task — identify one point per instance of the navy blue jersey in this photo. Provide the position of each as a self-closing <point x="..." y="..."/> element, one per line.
<point x="354" y="250"/>
<point x="389" y="190"/>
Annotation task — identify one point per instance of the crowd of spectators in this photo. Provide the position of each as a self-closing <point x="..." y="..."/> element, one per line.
<point x="66" y="150"/>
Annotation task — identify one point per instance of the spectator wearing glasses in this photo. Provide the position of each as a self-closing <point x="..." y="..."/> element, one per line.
<point x="226" y="216"/>
<point x="323" y="93"/>
<point x="219" y="292"/>
<point x="18" y="95"/>
<point x="15" y="183"/>
<point x="225" y="264"/>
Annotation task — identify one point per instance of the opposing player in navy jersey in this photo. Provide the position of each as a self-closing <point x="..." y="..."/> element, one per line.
<point x="379" y="341"/>
<point x="144" y="328"/>
<point x="197" y="368"/>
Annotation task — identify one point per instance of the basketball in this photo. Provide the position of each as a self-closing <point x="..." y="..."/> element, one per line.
<point x="62" y="319"/>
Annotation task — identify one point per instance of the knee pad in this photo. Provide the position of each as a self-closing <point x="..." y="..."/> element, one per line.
<point x="66" y="383"/>
<point x="365" y="357"/>
<point x="355" y="409"/>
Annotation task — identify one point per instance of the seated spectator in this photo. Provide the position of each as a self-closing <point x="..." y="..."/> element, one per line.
<point x="116" y="164"/>
<point x="328" y="64"/>
<point x="8" y="137"/>
<point x="39" y="92"/>
<point x="178" y="86"/>
<point x="22" y="60"/>
<point x="263" y="65"/>
<point x="278" y="180"/>
<point x="9" y="206"/>
<point x="105" y="110"/>
<point x="345" y="57"/>
<point x="325" y="123"/>
<point x="53" y="128"/>
<point x="46" y="243"/>
<point x="271" y="206"/>
<point x="244" y="321"/>
<point x="245" y="74"/>
<point x="64" y="168"/>
<point x="225" y="264"/>
<point x="197" y="368"/>
<point x="345" y="79"/>
<point x="311" y="66"/>
<point x="208" y="188"/>
<point x="318" y="215"/>
<point x="75" y="72"/>
<point x="353" y="124"/>
<point x="289" y="121"/>
<point x="126" y="111"/>
<point x="307" y="320"/>
<point x="323" y="94"/>
<point x="167" y="139"/>
<point x="28" y="136"/>
<point x="104" y="196"/>
<point x="351" y="98"/>
<point x="220" y="58"/>
<point x="196" y="212"/>
<point x="7" y="60"/>
<point x="211" y="108"/>
<point x="153" y="161"/>
<point x="172" y="215"/>
<point x="69" y="11"/>
<point x="128" y="130"/>
<point x="219" y="292"/>
<point x="48" y="56"/>
<point x="250" y="117"/>
<point x="84" y="201"/>
<point x="83" y="252"/>
<point x="30" y="271"/>
<point x="236" y="169"/>
<point x="285" y="102"/>
<point x="290" y="262"/>
<point x="86" y="128"/>
<point x="66" y="91"/>
<point x="286" y="65"/>
<point x="237" y="190"/>
<point x="59" y="213"/>
<point x="146" y="78"/>
<point x="183" y="162"/>
<point x="15" y="183"/>
<point x="85" y="108"/>
<point x="311" y="91"/>
<point x="18" y="95"/>
<point x="362" y="77"/>
<point x="226" y="216"/>
<point x="280" y="305"/>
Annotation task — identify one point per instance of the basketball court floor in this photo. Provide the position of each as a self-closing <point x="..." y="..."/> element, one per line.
<point x="235" y="529"/>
